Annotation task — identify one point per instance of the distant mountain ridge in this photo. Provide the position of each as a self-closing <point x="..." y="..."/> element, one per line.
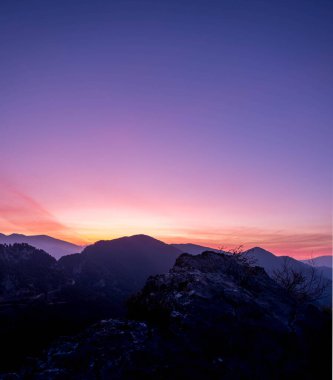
<point x="55" y="247"/>
<point x="58" y="248"/>
<point x="321" y="261"/>
<point x="119" y="266"/>
<point x="125" y="263"/>
<point x="271" y="263"/>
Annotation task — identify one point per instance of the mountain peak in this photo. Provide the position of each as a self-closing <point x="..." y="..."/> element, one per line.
<point x="259" y="251"/>
<point x="257" y="248"/>
<point x="134" y="243"/>
<point x="142" y="237"/>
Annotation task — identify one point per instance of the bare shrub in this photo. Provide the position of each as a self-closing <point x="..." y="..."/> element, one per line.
<point x="302" y="285"/>
<point x="241" y="256"/>
<point x="240" y="263"/>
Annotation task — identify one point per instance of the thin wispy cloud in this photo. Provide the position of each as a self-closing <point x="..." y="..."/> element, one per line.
<point x="19" y="212"/>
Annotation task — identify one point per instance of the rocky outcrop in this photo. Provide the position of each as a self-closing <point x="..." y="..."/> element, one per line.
<point x="212" y="282"/>
<point x="237" y="315"/>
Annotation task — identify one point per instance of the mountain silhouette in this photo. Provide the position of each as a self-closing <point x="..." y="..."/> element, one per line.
<point x="26" y="272"/>
<point x="55" y="247"/>
<point x="320" y="261"/>
<point x="119" y="267"/>
<point x="271" y="263"/>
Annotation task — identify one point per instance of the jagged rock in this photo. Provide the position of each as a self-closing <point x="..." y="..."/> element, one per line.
<point x="236" y="316"/>
<point x="212" y="281"/>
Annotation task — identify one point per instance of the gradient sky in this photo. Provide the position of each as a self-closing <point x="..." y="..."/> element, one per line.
<point x="192" y="121"/>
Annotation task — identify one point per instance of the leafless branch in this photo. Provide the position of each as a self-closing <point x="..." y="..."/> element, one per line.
<point x="303" y="286"/>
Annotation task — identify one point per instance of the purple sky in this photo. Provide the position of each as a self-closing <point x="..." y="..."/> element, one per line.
<point x="201" y="121"/>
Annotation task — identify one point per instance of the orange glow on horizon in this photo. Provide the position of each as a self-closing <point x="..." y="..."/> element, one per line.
<point x="107" y="219"/>
<point x="301" y="246"/>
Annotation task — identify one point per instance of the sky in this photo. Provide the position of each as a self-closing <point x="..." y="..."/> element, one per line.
<point x="192" y="121"/>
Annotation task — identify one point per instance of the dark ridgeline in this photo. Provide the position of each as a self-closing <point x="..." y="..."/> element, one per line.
<point x="42" y="298"/>
<point x="27" y="272"/>
<point x="270" y="262"/>
<point x="212" y="316"/>
<point x="120" y="266"/>
<point x="29" y="278"/>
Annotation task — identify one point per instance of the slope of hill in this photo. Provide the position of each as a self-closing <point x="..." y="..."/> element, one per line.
<point x="29" y="317"/>
<point x="193" y="249"/>
<point x="119" y="267"/>
<point x="55" y="247"/>
<point x="26" y="272"/>
<point x="271" y="263"/>
<point x="320" y="261"/>
<point x="35" y="307"/>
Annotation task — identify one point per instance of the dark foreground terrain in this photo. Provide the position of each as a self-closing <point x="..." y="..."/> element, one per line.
<point x="210" y="317"/>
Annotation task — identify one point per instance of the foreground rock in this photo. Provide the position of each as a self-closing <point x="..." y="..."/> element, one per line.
<point x="237" y="316"/>
<point x="209" y="318"/>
